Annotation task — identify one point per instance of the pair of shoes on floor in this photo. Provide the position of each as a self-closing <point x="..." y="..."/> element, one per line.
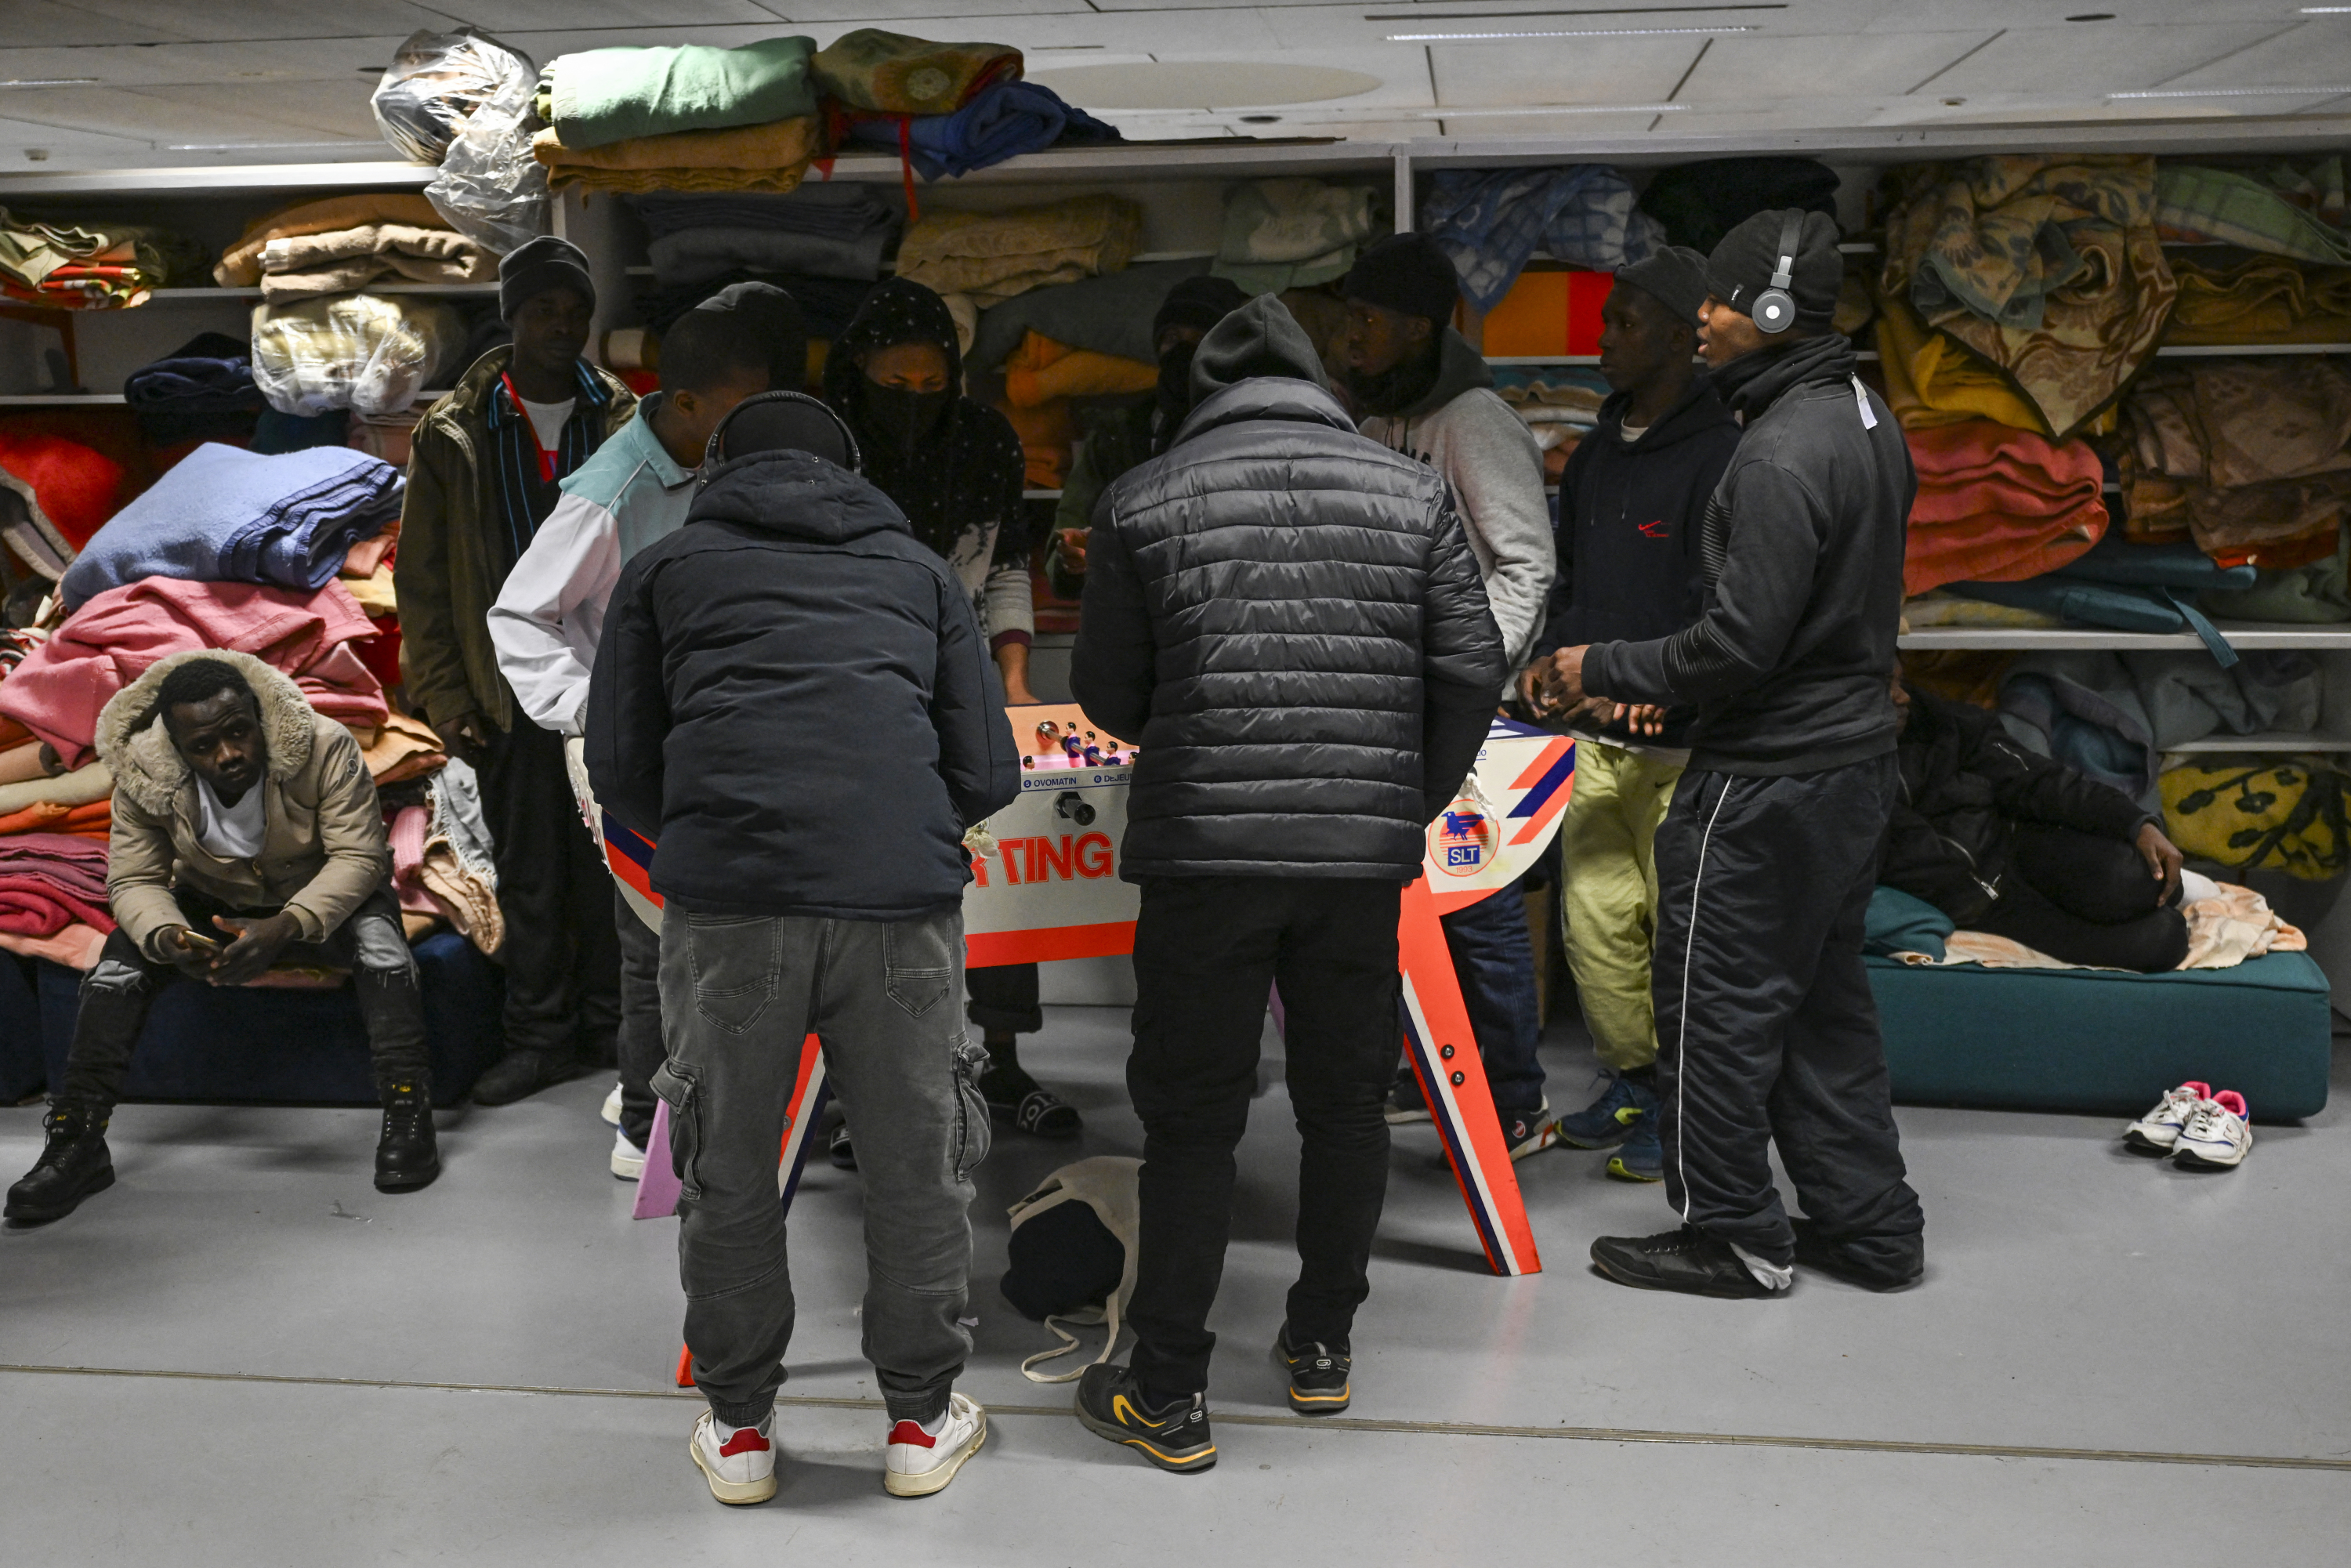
<point x="1018" y="1100"/>
<point x="1174" y="1435"/>
<point x="740" y="1462"/>
<point x="2196" y="1129"/>
<point x="1623" y="1118"/>
<point x="519" y="1074"/>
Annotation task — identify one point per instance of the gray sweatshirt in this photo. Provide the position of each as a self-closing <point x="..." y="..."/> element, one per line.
<point x="1467" y="433"/>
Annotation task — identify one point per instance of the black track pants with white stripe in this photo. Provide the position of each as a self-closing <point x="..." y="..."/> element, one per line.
<point x="1766" y="1029"/>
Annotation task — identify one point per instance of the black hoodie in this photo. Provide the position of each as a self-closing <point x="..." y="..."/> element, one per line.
<point x="1629" y="517"/>
<point x="792" y="699"/>
<point x="1802" y="553"/>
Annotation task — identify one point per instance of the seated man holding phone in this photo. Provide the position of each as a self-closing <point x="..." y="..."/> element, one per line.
<point x="247" y="833"/>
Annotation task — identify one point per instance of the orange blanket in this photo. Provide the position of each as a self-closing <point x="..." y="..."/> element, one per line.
<point x="1998" y="505"/>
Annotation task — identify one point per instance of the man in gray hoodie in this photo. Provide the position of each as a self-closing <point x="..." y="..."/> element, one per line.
<point x="1418" y="388"/>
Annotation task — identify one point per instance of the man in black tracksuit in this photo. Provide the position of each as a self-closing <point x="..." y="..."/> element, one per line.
<point x="1767" y="858"/>
<point x="1287" y="617"/>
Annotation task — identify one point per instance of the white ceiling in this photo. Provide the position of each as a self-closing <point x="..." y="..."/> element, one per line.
<point x="282" y="80"/>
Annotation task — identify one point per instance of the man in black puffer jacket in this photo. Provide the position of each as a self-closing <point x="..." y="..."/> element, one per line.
<point x="1766" y="1028"/>
<point x="792" y="696"/>
<point x="2006" y="842"/>
<point x="1286" y="618"/>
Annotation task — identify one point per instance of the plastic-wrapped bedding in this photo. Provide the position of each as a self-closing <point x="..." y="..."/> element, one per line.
<point x="435" y="83"/>
<point x="368" y="353"/>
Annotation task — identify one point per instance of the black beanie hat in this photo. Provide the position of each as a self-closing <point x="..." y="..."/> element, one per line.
<point x="1408" y="273"/>
<point x="1674" y="277"/>
<point x="537" y="266"/>
<point x="783" y="422"/>
<point x="1199" y="302"/>
<point x="1743" y="264"/>
<point x="768" y="315"/>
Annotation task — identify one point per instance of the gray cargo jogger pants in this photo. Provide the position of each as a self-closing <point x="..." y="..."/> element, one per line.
<point x="739" y="996"/>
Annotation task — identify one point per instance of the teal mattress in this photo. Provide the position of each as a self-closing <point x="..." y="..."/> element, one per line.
<point x="2095" y="1041"/>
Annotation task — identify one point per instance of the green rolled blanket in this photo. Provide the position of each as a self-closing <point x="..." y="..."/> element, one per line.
<point x="598" y="97"/>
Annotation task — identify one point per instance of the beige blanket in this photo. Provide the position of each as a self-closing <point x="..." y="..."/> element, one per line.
<point x="2222" y="933"/>
<point x="770" y="157"/>
<point x="240" y="265"/>
<point x="992" y="257"/>
<point x="304" y="266"/>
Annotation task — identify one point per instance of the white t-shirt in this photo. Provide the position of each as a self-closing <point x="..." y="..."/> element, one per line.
<point x="232" y="832"/>
<point x="1633" y="432"/>
<point x="548" y="420"/>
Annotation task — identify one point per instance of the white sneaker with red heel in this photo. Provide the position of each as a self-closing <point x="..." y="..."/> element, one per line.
<point x="919" y="1462"/>
<point x="740" y="1462"/>
<point x="2219" y="1135"/>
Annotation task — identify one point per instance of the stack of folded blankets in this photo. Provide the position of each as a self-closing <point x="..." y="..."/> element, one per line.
<point x="945" y="107"/>
<point x="2248" y="457"/>
<point x="682" y="118"/>
<point x="202" y="388"/>
<point x="822" y="231"/>
<point x="1295" y="234"/>
<point x="2266" y="299"/>
<point x="1491" y="221"/>
<point x="2283" y="210"/>
<point x="994" y="256"/>
<point x="53" y="897"/>
<point x="225" y="514"/>
<point x="346" y="242"/>
<point x="90" y="266"/>
<point x="1997" y="505"/>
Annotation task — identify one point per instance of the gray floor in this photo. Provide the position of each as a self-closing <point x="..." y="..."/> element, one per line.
<point x="244" y="1354"/>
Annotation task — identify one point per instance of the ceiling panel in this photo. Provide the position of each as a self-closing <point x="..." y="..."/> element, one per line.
<point x="308" y="59"/>
<point x="215" y="20"/>
<point x="2318" y="52"/>
<point x="524" y="16"/>
<point x="970" y="23"/>
<point x="1759" y="68"/>
<point x="233" y="114"/>
<point x="2085" y="63"/>
<point x="1560" y="70"/>
<point x="1919" y="16"/>
<point x="52" y="23"/>
<point x="326" y="108"/>
<point x="1479" y="126"/>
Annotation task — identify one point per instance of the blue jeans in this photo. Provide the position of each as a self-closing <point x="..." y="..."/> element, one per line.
<point x="1494" y="959"/>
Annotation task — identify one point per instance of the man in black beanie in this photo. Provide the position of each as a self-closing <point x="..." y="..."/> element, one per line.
<point x="1420" y="388"/>
<point x="486" y="468"/>
<point x="1768" y="856"/>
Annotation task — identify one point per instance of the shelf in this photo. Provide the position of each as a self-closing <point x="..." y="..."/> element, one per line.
<point x="2232" y="351"/>
<point x="2079" y="639"/>
<point x="1865" y="355"/>
<point x="2266" y="741"/>
<point x="200" y="295"/>
<point x="58" y="400"/>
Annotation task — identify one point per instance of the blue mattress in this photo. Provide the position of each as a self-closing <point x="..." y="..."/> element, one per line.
<point x="2095" y="1041"/>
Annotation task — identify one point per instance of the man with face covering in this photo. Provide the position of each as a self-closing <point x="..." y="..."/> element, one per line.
<point x="1130" y="435"/>
<point x="955" y="467"/>
<point x="487" y="468"/>
<point x="1420" y="388"/>
<point x="246" y="832"/>
<point x="547" y="618"/>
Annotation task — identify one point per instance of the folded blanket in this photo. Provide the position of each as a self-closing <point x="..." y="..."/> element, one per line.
<point x="892" y="74"/>
<point x="693" y="254"/>
<point x="345" y="259"/>
<point x="2247" y="456"/>
<point x="1042" y="370"/>
<point x="401" y="749"/>
<point x="92" y="820"/>
<point x="1931" y="381"/>
<point x="1293" y="234"/>
<point x="595" y="97"/>
<point x="103" y="265"/>
<point x="1109" y="314"/>
<point x="55" y="494"/>
<point x="88" y="784"/>
<point x="749" y="158"/>
<point x="50" y="881"/>
<point x="1004" y="122"/>
<point x="1940" y="609"/>
<point x="240" y="265"/>
<point x="225" y="514"/>
<point x="368" y="353"/>
<point x="2260" y="814"/>
<point x="23" y="763"/>
<point x="1491" y="221"/>
<point x="2295" y="212"/>
<point x="2048" y="267"/>
<point x="2260" y="301"/>
<point x="1997" y="505"/>
<point x="992" y="257"/>
<point x="57" y="690"/>
<point x="209" y="373"/>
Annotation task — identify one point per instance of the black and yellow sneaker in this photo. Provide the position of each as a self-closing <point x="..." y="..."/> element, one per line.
<point x="1318" y="1374"/>
<point x="1175" y="1436"/>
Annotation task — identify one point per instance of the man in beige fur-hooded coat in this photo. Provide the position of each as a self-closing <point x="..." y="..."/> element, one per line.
<point x="247" y="833"/>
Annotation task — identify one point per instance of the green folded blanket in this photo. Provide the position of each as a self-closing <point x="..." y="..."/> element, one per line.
<point x="601" y="96"/>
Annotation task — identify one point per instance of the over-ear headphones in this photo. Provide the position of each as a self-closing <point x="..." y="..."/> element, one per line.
<point x="1775" y="308"/>
<point x="711" y="451"/>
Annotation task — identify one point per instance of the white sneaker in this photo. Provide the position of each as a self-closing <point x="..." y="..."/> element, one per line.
<point x="2218" y="1137"/>
<point x="741" y="1466"/>
<point x="2156" y="1132"/>
<point x="918" y="1463"/>
<point x="627" y="1160"/>
<point x="612" y="1111"/>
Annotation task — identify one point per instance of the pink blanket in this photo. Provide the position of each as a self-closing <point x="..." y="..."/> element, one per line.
<point x="57" y="690"/>
<point x="51" y="881"/>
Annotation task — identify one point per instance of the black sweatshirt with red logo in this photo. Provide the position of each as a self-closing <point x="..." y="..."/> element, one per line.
<point x="1628" y="528"/>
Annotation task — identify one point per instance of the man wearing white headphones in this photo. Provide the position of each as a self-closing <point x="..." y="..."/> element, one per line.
<point x="1766" y="1029"/>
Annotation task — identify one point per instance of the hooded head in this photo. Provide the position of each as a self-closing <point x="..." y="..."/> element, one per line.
<point x="136" y="740"/>
<point x="1191" y="308"/>
<point x="896" y="414"/>
<point x="783" y="422"/>
<point x="1742" y="265"/>
<point x="1260" y="338"/>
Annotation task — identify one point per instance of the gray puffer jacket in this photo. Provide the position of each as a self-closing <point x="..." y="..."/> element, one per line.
<point x="1286" y="618"/>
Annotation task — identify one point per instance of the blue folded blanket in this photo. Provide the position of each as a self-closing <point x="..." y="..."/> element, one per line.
<point x="209" y="373"/>
<point x="225" y="515"/>
<point x="1004" y="122"/>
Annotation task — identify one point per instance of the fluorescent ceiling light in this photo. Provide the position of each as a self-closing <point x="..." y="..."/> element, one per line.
<point x="1540" y="15"/>
<point x="2326" y="10"/>
<point x="1547" y="108"/>
<point x="1577" y="33"/>
<point x="51" y="81"/>
<point x="2237" y="92"/>
<point x="244" y="146"/>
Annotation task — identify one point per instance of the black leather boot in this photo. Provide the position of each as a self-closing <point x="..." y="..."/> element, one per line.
<point x="407" y="1154"/>
<point x="73" y="1163"/>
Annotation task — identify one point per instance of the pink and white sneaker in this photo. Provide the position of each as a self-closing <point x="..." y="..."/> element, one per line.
<point x="740" y="1462"/>
<point x="920" y="1461"/>
<point x="2158" y="1130"/>
<point x="2218" y="1137"/>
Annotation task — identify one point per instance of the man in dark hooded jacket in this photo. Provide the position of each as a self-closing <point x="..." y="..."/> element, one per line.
<point x="1286" y="618"/>
<point x="1767" y="858"/>
<point x="792" y="697"/>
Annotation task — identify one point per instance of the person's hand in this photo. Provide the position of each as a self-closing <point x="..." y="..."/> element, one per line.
<point x="1641" y="719"/>
<point x="257" y="944"/>
<point x="467" y="738"/>
<point x="1017" y="695"/>
<point x="185" y="951"/>
<point x="2163" y="859"/>
<point x="1072" y="543"/>
<point x="1561" y="680"/>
